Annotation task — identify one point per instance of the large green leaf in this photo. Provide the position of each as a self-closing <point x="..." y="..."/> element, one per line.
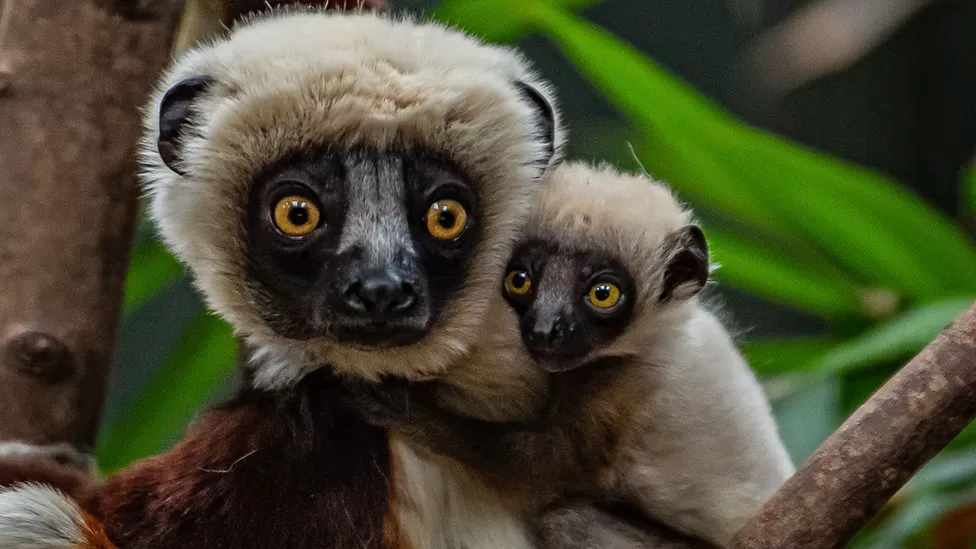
<point x="875" y="227"/>
<point x="496" y="20"/>
<point x="152" y="268"/>
<point x="911" y="518"/>
<point x="896" y="339"/>
<point x="204" y="358"/>
<point x="774" y="357"/>
<point x="817" y="357"/>
<point x="969" y="188"/>
<point x="751" y="267"/>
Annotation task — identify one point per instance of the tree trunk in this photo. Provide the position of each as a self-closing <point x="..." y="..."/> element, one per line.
<point x="903" y="425"/>
<point x="238" y="8"/>
<point x="74" y="77"/>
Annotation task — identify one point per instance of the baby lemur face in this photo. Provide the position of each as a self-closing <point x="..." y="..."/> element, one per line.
<point x="603" y="268"/>
<point x="362" y="248"/>
<point x="568" y="302"/>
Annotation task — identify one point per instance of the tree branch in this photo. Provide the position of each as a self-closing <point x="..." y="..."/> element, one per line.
<point x="903" y="425"/>
<point x="77" y="74"/>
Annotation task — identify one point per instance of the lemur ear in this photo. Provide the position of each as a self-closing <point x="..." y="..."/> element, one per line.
<point x="174" y="114"/>
<point x="687" y="263"/>
<point x="545" y="119"/>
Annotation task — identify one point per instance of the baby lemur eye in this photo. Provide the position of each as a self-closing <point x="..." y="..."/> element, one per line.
<point x="296" y="216"/>
<point x="518" y="282"/>
<point x="446" y="219"/>
<point x="604" y="296"/>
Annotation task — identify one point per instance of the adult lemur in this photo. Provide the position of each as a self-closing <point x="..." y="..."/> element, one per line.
<point x="620" y="387"/>
<point x="345" y="190"/>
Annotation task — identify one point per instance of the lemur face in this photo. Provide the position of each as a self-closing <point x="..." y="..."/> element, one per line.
<point x="361" y="247"/>
<point x="568" y="302"/>
<point x="346" y="188"/>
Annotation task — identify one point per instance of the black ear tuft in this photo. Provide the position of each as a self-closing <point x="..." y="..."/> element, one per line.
<point x="546" y="118"/>
<point x="174" y="113"/>
<point x="687" y="269"/>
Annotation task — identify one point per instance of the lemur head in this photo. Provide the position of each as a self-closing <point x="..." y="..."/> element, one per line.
<point x="606" y="265"/>
<point x="345" y="188"/>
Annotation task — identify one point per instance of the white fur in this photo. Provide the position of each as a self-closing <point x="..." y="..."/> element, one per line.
<point x="36" y="516"/>
<point x="705" y="453"/>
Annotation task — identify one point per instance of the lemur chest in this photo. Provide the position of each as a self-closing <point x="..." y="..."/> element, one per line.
<point x="435" y="506"/>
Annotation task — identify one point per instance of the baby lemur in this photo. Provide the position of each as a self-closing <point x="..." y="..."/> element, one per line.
<point x="602" y="375"/>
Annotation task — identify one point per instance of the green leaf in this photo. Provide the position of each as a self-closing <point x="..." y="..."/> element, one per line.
<point x="871" y="224"/>
<point x="948" y="470"/>
<point x="896" y="339"/>
<point x="152" y="268"/>
<point x="785" y="272"/>
<point x="912" y="517"/>
<point x="751" y="267"/>
<point x="969" y="188"/>
<point x="496" y="20"/>
<point x="773" y="357"/>
<point x="204" y="358"/>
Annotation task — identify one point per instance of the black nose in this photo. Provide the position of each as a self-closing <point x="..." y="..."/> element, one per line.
<point x="550" y="331"/>
<point x="380" y="292"/>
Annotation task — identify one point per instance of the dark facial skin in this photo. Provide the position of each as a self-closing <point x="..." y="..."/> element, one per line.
<point x="343" y="244"/>
<point x="563" y="313"/>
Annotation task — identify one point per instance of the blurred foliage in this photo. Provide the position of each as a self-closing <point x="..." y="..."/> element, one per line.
<point x="794" y="226"/>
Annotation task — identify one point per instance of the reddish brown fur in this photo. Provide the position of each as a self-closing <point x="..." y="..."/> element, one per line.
<point x="70" y="480"/>
<point x="96" y="537"/>
<point x="263" y="470"/>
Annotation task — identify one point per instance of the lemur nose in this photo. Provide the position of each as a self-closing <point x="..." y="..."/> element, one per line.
<point x="380" y="291"/>
<point x="550" y="331"/>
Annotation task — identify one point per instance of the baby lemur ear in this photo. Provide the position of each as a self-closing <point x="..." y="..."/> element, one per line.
<point x="545" y="119"/>
<point x="174" y="114"/>
<point x="687" y="263"/>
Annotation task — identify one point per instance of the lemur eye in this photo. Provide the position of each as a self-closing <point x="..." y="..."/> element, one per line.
<point x="518" y="282"/>
<point x="604" y="296"/>
<point x="446" y="219"/>
<point x="296" y="216"/>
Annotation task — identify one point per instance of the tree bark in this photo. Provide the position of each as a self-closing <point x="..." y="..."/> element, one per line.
<point x="76" y="75"/>
<point x="237" y="8"/>
<point x="903" y="425"/>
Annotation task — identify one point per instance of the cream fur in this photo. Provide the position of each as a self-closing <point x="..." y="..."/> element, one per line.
<point x="700" y="449"/>
<point x="297" y="79"/>
<point x="440" y="507"/>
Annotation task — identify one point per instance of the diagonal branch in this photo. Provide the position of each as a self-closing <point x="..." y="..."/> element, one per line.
<point x="903" y="425"/>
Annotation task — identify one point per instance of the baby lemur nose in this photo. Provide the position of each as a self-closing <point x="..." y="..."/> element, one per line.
<point x="380" y="292"/>
<point x="551" y="330"/>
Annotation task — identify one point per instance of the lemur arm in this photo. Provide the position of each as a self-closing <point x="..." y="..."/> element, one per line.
<point x="561" y="452"/>
<point x="582" y="525"/>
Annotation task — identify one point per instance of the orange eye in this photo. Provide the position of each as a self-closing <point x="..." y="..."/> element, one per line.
<point x="446" y="219"/>
<point x="604" y="295"/>
<point x="296" y="216"/>
<point x="518" y="282"/>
